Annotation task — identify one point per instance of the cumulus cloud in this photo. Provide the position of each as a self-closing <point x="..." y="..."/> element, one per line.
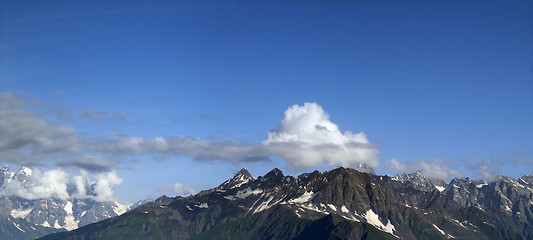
<point x="181" y="189"/>
<point x="100" y="116"/>
<point x="306" y="138"/>
<point x="57" y="183"/>
<point x="434" y="169"/>
<point x="49" y="184"/>
<point x="104" y="184"/>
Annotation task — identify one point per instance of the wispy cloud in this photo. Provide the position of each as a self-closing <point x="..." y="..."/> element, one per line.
<point x="490" y="168"/>
<point x="485" y="170"/>
<point x="101" y="116"/>
<point x="210" y="117"/>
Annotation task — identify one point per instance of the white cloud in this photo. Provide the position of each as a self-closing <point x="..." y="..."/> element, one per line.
<point x="80" y="184"/>
<point x="306" y="138"/>
<point x="51" y="183"/>
<point x="434" y="169"/>
<point x="57" y="183"/>
<point x="181" y="189"/>
<point x="104" y="184"/>
<point x="177" y="188"/>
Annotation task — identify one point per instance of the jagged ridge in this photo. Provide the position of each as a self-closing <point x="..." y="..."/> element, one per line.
<point x="345" y="193"/>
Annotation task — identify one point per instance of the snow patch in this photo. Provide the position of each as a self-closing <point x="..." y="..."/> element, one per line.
<point x="203" y="205"/>
<point x="457" y="222"/>
<point x="373" y="219"/>
<point x="266" y="204"/>
<point x="70" y="222"/>
<point x="56" y="225"/>
<point x="26" y="171"/>
<point x="344" y="209"/>
<point x="20" y="213"/>
<point x="263" y="205"/>
<point x="297" y="214"/>
<point x="440" y="188"/>
<point x="481" y="185"/>
<point x="45" y="224"/>
<point x="332" y="207"/>
<point x="241" y="183"/>
<point x="119" y="209"/>
<point x="306" y="197"/>
<point x="440" y="230"/>
<point x="244" y="194"/>
<point x="18" y="227"/>
<point x="190" y="209"/>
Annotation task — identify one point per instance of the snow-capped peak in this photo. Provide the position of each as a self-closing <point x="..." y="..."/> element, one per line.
<point x="24" y="171"/>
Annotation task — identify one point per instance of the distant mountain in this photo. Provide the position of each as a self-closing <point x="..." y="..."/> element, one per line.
<point x="337" y="204"/>
<point x="22" y="218"/>
<point x="420" y="182"/>
<point x="504" y="196"/>
<point x="513" y="197"/>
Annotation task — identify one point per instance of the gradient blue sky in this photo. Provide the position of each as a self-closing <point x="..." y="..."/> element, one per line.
<point x="448" y="80"/>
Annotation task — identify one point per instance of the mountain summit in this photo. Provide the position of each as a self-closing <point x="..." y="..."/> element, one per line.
<point x="242" y="177"/>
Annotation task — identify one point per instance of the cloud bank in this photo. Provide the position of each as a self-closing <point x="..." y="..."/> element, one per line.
<point x="34" y="184"/>
<point x="305" y="138"/>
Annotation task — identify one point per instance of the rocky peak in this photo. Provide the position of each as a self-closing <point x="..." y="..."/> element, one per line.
<point x="274" y="173"/>
<point x="527" y="179"/>
<point x="5" y="174"/>
<point x="365" y="168"/>
<point x="24" y="171"/>
<point x="23" y="174"/>
<point x="242" y="177"/>
<point x="420" y="181"/>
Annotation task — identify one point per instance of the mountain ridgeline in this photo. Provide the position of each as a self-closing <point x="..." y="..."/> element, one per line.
<point x="338" y="204"/>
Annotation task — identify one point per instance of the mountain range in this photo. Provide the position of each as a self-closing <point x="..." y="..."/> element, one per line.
<point x="341" y="203"/>
<point x="22" y="218"/>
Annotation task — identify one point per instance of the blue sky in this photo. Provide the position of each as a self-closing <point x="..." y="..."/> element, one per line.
<point x="447" y="85"/>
